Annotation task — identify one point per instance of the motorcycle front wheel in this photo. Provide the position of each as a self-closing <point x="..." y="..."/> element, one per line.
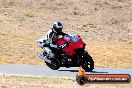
<point x="88" y="64"/>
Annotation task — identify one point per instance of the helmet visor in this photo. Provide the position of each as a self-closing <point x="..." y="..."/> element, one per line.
<point x="58" y="30"/>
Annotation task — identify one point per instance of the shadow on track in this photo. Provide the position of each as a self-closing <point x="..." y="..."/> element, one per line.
<point x="77" y="71"/>
<point x="69" y="70"/>
<point x="98" y="72"/>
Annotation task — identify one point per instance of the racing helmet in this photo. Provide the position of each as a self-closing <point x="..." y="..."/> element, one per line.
<point x="57" y="27"/>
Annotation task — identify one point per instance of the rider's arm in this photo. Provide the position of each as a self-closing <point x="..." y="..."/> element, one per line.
<point x="49" y="38"/>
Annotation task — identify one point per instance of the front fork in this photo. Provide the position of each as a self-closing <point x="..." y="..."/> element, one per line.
<point x="81" y="59"/>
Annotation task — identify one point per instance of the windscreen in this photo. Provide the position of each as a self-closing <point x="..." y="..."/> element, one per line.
<point x="72" y="38"/>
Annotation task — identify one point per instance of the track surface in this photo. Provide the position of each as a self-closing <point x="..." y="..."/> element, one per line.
<point x="30" y="70"/>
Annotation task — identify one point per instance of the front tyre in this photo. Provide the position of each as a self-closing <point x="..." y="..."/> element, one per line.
<point x="54" y="64"/>
<point x="88" y="62"/>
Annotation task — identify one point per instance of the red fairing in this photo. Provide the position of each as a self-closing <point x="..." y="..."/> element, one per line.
<point x="72" y="45"/>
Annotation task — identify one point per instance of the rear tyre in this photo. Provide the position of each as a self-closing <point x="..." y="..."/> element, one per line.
<point x="88" y="62"/>
<point x="54" y="64"/>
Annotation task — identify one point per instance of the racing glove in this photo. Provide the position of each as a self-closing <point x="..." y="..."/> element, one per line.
<point x="53" y="46"/>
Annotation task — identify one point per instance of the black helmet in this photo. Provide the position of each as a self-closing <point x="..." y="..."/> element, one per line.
<point x="57" y="26"/>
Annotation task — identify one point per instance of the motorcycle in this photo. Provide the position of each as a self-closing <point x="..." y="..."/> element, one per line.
<point x="71" y="54"/>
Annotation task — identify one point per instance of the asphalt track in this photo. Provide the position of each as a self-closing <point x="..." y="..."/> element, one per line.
<point x="44" y="71"/>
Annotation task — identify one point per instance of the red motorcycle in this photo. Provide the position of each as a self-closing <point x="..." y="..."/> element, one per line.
<point x="71" y="54"/>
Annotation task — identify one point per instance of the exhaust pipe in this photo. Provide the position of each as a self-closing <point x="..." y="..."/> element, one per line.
<point x="41" y="56"/>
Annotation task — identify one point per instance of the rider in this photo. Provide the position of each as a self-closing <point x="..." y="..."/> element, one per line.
<point x="47" y="42"/>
